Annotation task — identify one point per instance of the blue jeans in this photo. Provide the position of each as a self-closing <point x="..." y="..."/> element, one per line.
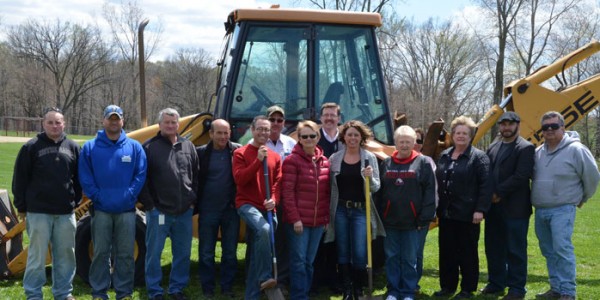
<point x="506" y="251"/>
<point x="259" y="238"/>
<point x="401" y="262"/>
<point x="59" y="231"/>
<point x="112" y="233"/>
<point x="351" y="236"/>
<point x="303" y="249"/>
<point x="208" y="230"/>
<point x="178" y="228"/>
<point x="421" y="239"/>
<point x="554" y="228"/>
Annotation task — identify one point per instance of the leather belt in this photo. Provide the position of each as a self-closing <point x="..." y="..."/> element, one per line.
<point x="352" y="204"/>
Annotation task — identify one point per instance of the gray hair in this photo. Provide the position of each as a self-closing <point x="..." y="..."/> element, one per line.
<point x="405" y="130"/>
<point x="168" y="111"/>
<point x="552" y="115"/>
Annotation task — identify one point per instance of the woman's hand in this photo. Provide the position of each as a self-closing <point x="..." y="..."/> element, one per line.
<point x="298" y="228"/>
<point x="368" y="171"/>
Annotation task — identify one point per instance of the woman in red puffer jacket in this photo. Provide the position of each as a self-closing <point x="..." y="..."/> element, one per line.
<point x="305" y="193"/>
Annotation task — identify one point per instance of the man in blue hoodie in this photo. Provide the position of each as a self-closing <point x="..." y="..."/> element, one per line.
<point x="565" y="176"/>
<point x="112" y="172"/>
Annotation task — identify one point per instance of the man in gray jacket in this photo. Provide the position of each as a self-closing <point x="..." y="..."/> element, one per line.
<point x="565" y="176"/>
<point x="168" y="197"/>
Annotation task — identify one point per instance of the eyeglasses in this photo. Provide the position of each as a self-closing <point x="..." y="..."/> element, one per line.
<point x="276" y="120"/>
<point x="553" y="126"/>
<point x="54" y="109"/>
<point x="420" y="142"/>
<point x="263" y="129"/>
<point x="307" y="136"/>
<point x="329" y="115"/>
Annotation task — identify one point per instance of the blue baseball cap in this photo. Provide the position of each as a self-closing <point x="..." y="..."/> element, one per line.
<point x="113" y="110"/>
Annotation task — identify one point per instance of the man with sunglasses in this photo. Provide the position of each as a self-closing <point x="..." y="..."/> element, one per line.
<point x="507" y="221"/>
<point x="565" y="176"/>
<point x="46" y="189"/>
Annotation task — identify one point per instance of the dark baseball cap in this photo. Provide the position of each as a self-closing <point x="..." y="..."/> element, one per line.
<point x="510" y="116"/>
<point x="113" y="110"/>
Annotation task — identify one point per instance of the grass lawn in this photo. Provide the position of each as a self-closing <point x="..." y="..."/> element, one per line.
<point x="585" y="238"/>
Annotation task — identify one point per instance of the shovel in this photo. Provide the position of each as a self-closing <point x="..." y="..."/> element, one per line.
<point x="369" y="293"/>
<point x="272" y="293"/>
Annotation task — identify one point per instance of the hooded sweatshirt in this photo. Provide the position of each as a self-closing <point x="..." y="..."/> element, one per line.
<point x="45" y="177"/>
<point x="566" y="175"/>
<point x="112" y="173"/>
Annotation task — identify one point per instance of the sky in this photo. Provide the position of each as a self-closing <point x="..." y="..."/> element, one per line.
<point x="188" y="23"/>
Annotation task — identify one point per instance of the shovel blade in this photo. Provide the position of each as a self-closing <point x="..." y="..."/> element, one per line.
<point x="274" y="294"/>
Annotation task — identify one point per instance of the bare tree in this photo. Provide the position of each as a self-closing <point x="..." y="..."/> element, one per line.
<point x="123" y="21"/>
<point x="351" y="5"/>
<point x="504" y="16"/>
<point x="437" y="66"/>
<point x="71" y="53"/>
<point x="534" y="29"/>
<point x="187" y="81"/>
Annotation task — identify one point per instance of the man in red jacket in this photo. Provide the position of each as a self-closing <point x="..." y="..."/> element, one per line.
<point x="252" y="203"/>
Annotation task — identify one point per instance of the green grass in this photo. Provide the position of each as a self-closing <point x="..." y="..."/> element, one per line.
<point x="585" y="238"/>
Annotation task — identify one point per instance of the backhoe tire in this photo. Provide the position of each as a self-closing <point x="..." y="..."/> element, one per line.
<point x="84" y="248"/>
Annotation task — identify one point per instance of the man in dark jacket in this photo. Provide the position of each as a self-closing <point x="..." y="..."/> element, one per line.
<point x="169" y="196"/>
<point x="216" y="209"/>
<point x="46" y="189"/>
<point x="511" y="168"/>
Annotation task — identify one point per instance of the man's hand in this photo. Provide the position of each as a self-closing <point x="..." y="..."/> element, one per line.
<point x="269" y="204"/>
<point x="298" y="228"/>
<point x="495" y="198"/>
<point x="477" y="217"/>
<point x="22" y="216"/>
<point x="262" y="152"/>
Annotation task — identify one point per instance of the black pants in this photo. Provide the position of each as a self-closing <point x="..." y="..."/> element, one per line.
<point x="458" y="253"/>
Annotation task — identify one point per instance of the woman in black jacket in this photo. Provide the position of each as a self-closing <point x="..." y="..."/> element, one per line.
<point x="464" y="197"/>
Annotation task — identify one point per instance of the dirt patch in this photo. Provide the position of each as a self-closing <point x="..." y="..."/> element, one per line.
<point x="14" y="139"/>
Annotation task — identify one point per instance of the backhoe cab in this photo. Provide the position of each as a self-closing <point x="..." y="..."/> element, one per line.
<point x="300" y="59"/>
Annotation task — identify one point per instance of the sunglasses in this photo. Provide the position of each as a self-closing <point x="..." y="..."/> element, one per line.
<point x="274" y="120"/>
<point x="54" y="109"/>
<point x="420" y="142"/>
<point x="307" y="136"/>
<point x="553" y="126"/>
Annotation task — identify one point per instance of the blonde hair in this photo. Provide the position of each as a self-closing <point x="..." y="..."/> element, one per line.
<point x="466" y="121"/>
<point x="308" y="124"/>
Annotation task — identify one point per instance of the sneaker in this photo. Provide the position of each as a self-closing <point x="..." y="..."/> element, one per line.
<point x="443" y="293"/>
<point x="178" y="296"/>
<point x="566" y="297"/>
<point x="268" y="284"/>
<point x="390" y="297"/>
<point x="490" y="290"/>
<point x="70" y="297"/>
<point x="549" y="294"/>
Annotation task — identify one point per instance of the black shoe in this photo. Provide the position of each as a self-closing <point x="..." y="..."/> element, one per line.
<point x="549" y="294"/>
<point x="513" y="296"/>
<point x="178" y="296"/>
<point x="490" y="290"/>
<point x="463" y="295"/>
<point x="444" y="293"/>
<point x="157" y="297"/>
<point x="228" y="293"/>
